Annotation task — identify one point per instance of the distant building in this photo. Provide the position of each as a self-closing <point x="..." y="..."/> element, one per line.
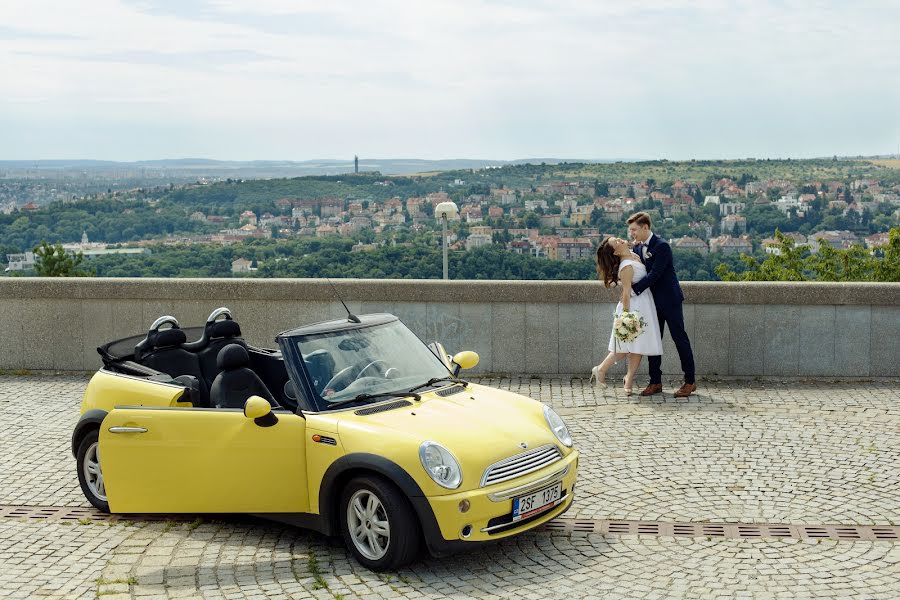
<point x="787" y="203"/>
<point x="711" y="200"/>
<point x="734" y="224"/>
<point x="92" y="253"/>
<point x="731" y="245"/>
<point x="551" y="221"/>
<point x="730" y="208"/>
<point x="581" y="215"/>
<point x="357" y="224"/>
<point x="535" y="204"/>
<point x="877" y="240"/>
<point x="773" y="246"/>
<point x="477" y="240"/>
<point x="248" y="216"/>
<point x="692" y="243"/>
<point x="571" y="249"/>
<point x="20" y="262"/>
<point x="361" y="247"/>
<point x="836" y="239"/>
<point x="241" y="265"/>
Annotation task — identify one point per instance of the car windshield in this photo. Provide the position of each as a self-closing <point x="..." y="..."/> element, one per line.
<point x="370" y="360"/>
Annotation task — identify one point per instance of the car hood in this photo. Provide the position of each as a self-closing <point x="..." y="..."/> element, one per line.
<point x="479" y="426"/>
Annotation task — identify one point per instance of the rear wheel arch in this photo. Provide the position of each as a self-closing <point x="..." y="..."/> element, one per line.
<point x="89" y="421"/>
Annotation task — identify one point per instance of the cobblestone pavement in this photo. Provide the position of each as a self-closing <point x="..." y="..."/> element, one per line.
<point x="777" y="452"/>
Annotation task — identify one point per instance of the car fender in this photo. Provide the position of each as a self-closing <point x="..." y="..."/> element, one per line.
<point x="349" y="465"/>
<point x="89" y="420"/>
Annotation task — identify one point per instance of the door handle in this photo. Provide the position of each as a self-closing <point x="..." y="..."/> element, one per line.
<point x="128" y="430"/>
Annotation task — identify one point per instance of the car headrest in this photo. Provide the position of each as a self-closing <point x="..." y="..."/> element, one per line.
<point x="232" y="356"/>
<point x="224" y="329"/>
<point x="167" y="337"/>
<point x="320" y="358"/>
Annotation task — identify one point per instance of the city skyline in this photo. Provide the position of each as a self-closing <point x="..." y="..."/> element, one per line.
<point x="279" y="80"/>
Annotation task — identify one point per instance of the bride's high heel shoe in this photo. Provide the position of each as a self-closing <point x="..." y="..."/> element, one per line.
<point x="626" y="387"/>
<point x="596" y="378"/>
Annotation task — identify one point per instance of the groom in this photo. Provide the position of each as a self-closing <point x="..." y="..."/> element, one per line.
<point x="656" y="255"/>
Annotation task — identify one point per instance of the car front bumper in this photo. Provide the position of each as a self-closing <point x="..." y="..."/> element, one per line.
<point x="489" y="516"/>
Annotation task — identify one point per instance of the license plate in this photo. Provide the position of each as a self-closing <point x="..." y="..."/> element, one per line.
<point x="537" y="502"/>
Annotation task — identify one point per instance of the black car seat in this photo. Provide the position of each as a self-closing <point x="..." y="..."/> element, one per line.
<point x="218" y="335"/>
<point x="165" y="354"/>
<point x="320" y="365"/>
<point x="236" y="381"/>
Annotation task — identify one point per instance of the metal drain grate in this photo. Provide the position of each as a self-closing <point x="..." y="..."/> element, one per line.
<point x="726" y="530"/>
<point x="77" y="513"/>
<point x="565" y="525"/>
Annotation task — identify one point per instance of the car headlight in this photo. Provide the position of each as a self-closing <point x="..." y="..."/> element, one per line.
<point x="440" y="465"/>
<point x="558" y="426"/>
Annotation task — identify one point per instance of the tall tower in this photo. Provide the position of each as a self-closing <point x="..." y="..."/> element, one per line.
<point x="355" y="164"/>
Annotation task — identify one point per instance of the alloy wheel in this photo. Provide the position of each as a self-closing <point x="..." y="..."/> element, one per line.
<point x="368" y="523"/>
<point x="93" y="475"/>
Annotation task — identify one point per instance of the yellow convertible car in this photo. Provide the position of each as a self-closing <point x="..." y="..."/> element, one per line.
<point x="353" y="427"/>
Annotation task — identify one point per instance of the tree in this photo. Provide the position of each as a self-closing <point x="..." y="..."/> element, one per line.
<point x="889" y="269"/>
<point x="54" y="261"/>
<point x="828" y="264"/>
<point x="532" y="220"/>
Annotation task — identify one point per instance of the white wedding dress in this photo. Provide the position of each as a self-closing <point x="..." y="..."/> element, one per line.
<point x="650" y="341"/>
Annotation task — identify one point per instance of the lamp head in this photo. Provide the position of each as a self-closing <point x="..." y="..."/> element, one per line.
<point x="446" y="210"/>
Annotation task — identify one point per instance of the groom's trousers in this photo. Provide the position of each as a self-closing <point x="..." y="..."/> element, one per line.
<point x="674" y="316"/>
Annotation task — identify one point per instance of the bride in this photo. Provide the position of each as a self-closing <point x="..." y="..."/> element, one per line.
<point x="618" y="265"/>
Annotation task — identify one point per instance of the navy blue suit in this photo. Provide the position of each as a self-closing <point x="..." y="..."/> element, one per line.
<point x="667" y="295"/>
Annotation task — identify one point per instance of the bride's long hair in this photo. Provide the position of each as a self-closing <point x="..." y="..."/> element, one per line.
<point x="607" y="264"/>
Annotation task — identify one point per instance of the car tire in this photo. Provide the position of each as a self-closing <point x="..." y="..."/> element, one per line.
<point x="90" y="475"/>
<point x="377" y="546"/>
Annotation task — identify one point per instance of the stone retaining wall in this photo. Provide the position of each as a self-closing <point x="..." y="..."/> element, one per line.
<point x="521" y="327"/>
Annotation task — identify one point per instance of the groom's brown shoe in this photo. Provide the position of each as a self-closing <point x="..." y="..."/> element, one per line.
<point x="686" y="390"/>
<point x="653" y="388"/>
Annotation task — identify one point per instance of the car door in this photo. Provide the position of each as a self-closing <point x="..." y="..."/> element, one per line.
<point x="202" y="460"/>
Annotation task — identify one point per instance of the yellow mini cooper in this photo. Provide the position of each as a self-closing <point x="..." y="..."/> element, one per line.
<point x="353" y="427"/>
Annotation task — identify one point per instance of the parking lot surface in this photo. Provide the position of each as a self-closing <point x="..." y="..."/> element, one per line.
<point x="799" y="454"/>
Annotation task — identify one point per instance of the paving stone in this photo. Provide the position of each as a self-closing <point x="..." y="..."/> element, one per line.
<point x="742" y="451"/>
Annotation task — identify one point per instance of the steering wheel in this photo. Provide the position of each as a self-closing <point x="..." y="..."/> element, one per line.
<point x="369" y="366"/>
<point x="340" y="375"/>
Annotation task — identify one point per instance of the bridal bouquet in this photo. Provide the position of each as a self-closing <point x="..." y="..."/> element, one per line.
<point x="628" y="326"/>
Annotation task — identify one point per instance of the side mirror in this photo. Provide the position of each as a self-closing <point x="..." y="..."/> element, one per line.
<point x="260" y="411"/>
<point x="464" y="360"/>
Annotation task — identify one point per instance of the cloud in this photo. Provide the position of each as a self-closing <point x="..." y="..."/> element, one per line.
<point x="301" y="79"/>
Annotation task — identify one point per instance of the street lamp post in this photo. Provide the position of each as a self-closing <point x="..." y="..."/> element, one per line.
<point x="443" y="211"/>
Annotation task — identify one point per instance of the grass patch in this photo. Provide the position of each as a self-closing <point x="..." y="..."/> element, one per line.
<point x="15" y="373"/>
<point x="195" y="523"/>
<point x="312" y="564"/>
<point x="129" y="581"/>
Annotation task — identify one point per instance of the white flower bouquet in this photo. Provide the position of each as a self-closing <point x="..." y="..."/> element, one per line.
<point x="628" y="326"/>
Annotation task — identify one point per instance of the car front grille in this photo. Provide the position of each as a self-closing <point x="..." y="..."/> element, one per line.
<point x="521" y="464"/>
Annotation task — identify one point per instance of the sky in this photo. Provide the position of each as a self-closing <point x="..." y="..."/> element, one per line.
<point x="435" y="79"/>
